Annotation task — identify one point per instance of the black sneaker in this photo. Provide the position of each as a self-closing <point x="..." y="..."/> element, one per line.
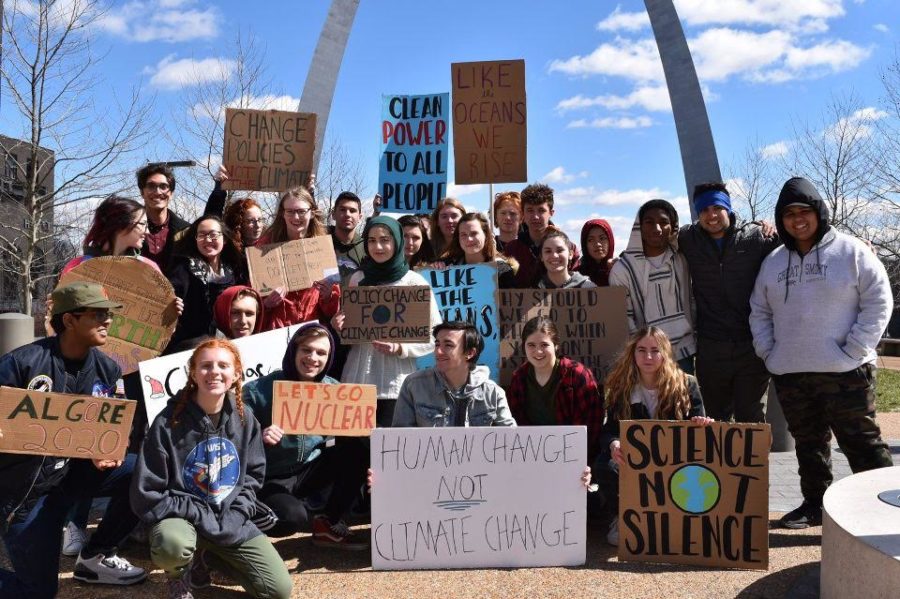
<point x="804" y="516"/>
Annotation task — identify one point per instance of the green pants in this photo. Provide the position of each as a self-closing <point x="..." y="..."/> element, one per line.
<point x="255" y="564"/>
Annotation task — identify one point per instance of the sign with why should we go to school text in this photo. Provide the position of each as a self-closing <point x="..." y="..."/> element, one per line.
<point x="695" y="494"/>
<point x="468" y="293"/>
<point x="398" y="314"/>
<point x="485" y="497"/>
<point x="412" y="173"/>
<point x="163" y="377"/>
<point x="303" y="408"/>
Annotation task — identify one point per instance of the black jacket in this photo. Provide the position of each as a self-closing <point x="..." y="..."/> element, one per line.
<point x="25" y="478"/>
<point x="722" y="280"/>
<point x="177" y="226"/>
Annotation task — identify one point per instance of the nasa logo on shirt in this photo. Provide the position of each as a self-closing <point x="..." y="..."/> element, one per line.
<point x="101" y="390"/>
<point x="41" y="382"/>
<point x="212" y="469"/>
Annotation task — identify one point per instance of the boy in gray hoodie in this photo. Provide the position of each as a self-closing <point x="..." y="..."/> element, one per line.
<point x="820" y="304"/>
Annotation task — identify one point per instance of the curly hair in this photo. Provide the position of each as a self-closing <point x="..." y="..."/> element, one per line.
<point x="234" y="218"/>
<point x="189" y="392"/>
<point x="157" y="168"/>
<point x="277" y="231"/>
<point x="455" y="251"/>
<point x="536" y="194"/>
<point x="671" y="381"/>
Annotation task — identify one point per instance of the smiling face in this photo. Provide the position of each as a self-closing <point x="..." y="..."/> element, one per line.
<point x="132" y="237"/>
<point x="251" y="225"/>
<point x="648" y="356"/>
<point x="210" y="240"/>
<point x="242" y="317"/>
<point x="449" y="355"/>
<point x="311" y="357"/>
<point x="412" y="241"/>
<point x="214" y="372"/>
<point x="597" y="244"/>
<point x="156" y="192"/>
<point x="380" y="244"/>
<point x="90" y="326"/>
<point x="509" y="218"/>
<point x="471" y="239"/>
<point x="297" y="215"/>
<point x="656" y="230"/>
<point x="540" y="350"/>
<point x="555" y="255"/>
<point x="714" y="220"/>
<point x="448" y="217"/>
<point x="801" y="222"/>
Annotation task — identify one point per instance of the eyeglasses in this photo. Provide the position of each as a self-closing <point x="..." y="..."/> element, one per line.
<point x="301" y="212"/>
<point x="157" y="187"/>
<point x="211" y="236"/>
<point x="254" y="221"/>
<point x="100" y="316"/>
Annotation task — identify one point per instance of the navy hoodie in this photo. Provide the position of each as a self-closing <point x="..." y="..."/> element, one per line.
<point x="206" y="475"/>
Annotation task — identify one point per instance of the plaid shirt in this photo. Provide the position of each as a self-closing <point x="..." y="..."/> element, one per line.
<point x="578" y="401"/>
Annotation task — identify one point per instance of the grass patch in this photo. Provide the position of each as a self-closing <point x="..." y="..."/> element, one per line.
<point x="888" y="390"/>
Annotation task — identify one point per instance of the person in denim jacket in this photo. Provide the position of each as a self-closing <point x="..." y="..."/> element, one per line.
<point x="455" y="392"/>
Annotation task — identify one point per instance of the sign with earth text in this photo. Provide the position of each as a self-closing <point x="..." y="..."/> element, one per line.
<point x="592" y="325"/>
<point x="396" y="314"/>
<point x="412" y="174"/>
<point x="268" y="150"/>
<point x="489" y="122"/>
<point x="143" y="327"/>
<point x="694" y="494"/>
<point x="484" y="497"/>
<point x="303" y="408"/>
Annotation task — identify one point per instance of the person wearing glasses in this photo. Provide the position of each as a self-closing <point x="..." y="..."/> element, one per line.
<point x="38" y="491"/>
<point x="205" y="262"/>
<point x="156" y="183"/>
<point x="298" y="217"/>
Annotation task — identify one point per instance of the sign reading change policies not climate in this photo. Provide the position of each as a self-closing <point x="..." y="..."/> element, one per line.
<point x="489" y="122"/>
<point x="487" y="497"/>
<point x="412" y="175"/>
<point x="268" y="150"/>
<point x="143" y="327"/>
<point x="692" y="494"/>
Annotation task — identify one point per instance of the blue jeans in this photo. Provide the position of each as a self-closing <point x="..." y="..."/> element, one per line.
<point x="33" y="544"/>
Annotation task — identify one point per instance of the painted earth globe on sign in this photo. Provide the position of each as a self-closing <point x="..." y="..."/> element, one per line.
<point x="694" y="488"/>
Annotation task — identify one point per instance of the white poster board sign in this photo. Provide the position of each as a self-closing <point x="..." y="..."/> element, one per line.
<point x="490" y="497"/>
<point x="163" y="377"/>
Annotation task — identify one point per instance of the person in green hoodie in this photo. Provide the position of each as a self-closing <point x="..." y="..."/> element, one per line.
<point x="299" y="466"/>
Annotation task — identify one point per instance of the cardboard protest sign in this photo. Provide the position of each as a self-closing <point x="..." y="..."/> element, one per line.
<point x="317" y="409"/>
<point x="59" y="424"/>
<point x="163" y="377"/>
<point x="592" y="325"/>
<point x="399" y="314"/>
<point x="268" y="150"/>
<point x="412" y="175"/>
<point x="488" y="497"/>
<point x="489" y="122"/>
<point x="692" y="494"/>
<point x="293" y="264"/>
<point x="142" y="329"/>
<point x="469" y="293"/>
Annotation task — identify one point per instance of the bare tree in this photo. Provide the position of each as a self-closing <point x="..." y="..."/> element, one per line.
<point x="340" y="170"/>
<point x="70" y="149"/>
<point x="752" y="183"/>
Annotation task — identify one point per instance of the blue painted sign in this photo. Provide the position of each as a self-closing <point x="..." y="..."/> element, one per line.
<point x="412" y="175"/>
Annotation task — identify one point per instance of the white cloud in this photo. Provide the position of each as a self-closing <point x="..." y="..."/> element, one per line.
<point x="264" y="102"/>
<point x="775" y="150"/>
<point x="722" y="52"/>
<point x="649" y="97"/>
<point x="458" y="191"/>
<point x="559" y="175"/>
<point x="606" y="197"/>
<point x="162" y="20"/>
<point x="172" y="73"/>
<point x="612" y="122"/>
<point x="856" y="125"/>
<point x="777" y="13"/>
<point x="627" y="21"/>
<point x="881" y="27"/>
<point x="637" y="60"/>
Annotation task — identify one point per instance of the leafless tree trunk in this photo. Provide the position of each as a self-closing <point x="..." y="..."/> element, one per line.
<point x="752" y="184"/>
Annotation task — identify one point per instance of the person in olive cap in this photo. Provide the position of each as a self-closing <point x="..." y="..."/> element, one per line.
<point x="37" y="491"/>
<point x="819" y="307"/>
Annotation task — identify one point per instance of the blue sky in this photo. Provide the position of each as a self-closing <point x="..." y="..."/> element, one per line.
<point x="600" y="129"/>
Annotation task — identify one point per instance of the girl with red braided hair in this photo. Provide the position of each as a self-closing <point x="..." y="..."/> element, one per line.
<point x="196" y="480"/>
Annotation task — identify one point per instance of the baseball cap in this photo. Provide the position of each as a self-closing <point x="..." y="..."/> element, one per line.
<point x="79" y="295"/>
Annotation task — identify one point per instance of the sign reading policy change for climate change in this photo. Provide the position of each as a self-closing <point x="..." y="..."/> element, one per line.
<point x="400" y="314"/>
<point x="692" y="494"/>
<point x="487" y="497"/>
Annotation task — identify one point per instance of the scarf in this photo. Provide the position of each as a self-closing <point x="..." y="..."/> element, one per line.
<point x="385" y="272"/>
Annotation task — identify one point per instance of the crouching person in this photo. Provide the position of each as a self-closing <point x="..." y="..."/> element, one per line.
<point x="196" y="481"/>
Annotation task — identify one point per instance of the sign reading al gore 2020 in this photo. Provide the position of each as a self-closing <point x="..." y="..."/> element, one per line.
<point x="488" y="497"/>
<point x="412" y="175"/>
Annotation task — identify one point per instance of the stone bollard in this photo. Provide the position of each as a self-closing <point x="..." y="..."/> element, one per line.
<point x="16" y="330"/>
<point x="781" y="437"/>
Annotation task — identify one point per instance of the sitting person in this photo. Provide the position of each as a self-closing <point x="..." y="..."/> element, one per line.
<point x="644" y="383"/>
<point x="554" y="270"/>
<point x="473" y="243"/>
<point x="239" y="312"/>
<point x="298" y="466"/>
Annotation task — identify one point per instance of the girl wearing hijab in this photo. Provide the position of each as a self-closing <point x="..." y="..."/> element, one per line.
<point x="597" y="247"/>
<point x="385" y="364"/>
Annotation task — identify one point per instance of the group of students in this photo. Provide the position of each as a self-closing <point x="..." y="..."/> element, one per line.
<point x="212" y="477"/>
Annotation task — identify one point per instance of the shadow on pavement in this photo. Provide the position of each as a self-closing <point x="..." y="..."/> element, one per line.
<point x="311" y="557"/>
<point x="797" y="582"/>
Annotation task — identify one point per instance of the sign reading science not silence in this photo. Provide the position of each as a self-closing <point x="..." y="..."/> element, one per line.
<point x="692" y="494"/>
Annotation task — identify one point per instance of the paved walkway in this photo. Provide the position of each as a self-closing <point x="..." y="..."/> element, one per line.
<point x="889" y="362"/>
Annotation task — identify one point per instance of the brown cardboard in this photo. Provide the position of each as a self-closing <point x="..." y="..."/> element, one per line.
<point x="726" y="529"/>
<point x="592" y="325"/>
<point x="400" y="314"/>
<point x="301" y="408"/>
<point x="58" y="424"/>
<point x="268" y="150"/>
<point x="142" y="329"/>
<point x="293" y="264"/>
<point x="489" y="122"/>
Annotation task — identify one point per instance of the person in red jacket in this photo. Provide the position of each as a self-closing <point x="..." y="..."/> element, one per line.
<point x="238" y="312"/>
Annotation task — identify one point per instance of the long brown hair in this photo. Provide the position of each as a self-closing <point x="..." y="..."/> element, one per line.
<point x="234" y="218"/>
<point x="189" y="392"/>
<point x="455" y="251"/>
<point x="437" y="236"/>
<point x="671" y="381"/>
<point x="277" y="231"/>
<point x="114" y="215"/>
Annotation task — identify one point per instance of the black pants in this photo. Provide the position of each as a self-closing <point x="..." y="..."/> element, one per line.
<point x="816" y="404"/>
<point x="733" y="380"/>
<point x="342" y="467"/>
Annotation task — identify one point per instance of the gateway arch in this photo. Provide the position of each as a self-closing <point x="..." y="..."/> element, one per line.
<point x="695" y="140"/>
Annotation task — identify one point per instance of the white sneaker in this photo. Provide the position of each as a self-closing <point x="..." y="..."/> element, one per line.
<point x="74" y="539"/>
<point x="113" y="569"/>
<point x="612" y="537"/>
